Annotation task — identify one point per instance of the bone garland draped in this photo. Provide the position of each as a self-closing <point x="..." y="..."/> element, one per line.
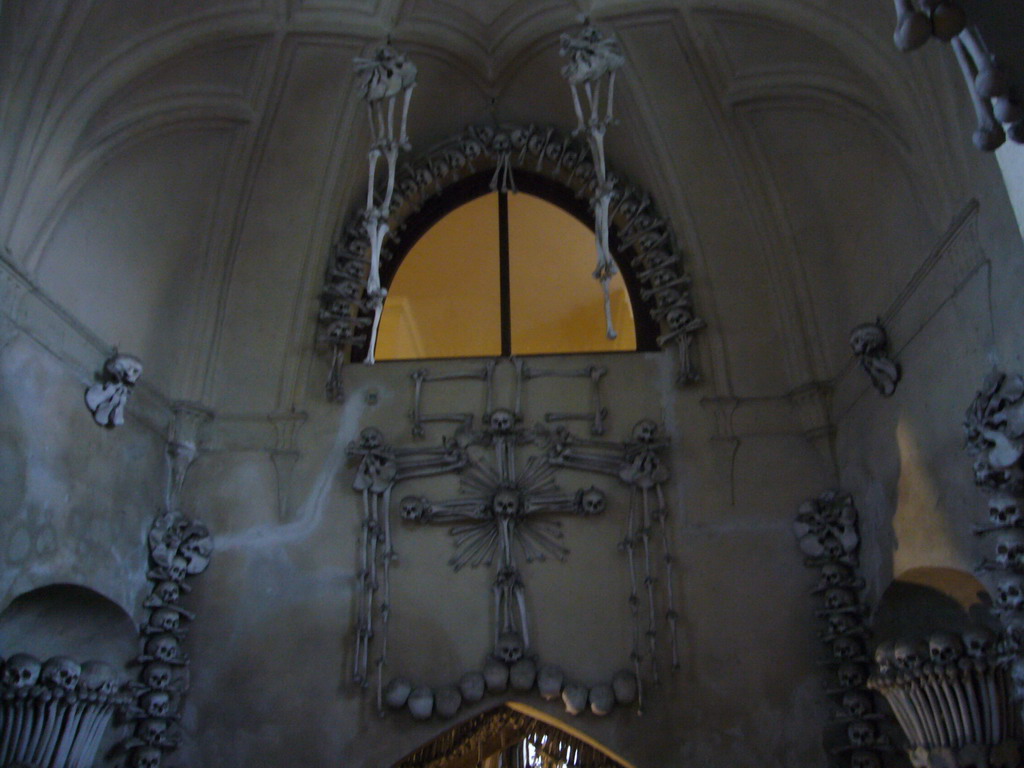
<point x="994" y="431"/>
<point x="53" y="714"/>
<point x="986" y="80"/>
<point x="107" y="398"/>
<point x="870" y="343"/>
<point x="827" y="533"/>
<point x="385" y="79"/>
<point x="179" y="549"/>
<point x="952" y="696"/>
<point x="642" y="234"/>
<point x="593" y="58"/>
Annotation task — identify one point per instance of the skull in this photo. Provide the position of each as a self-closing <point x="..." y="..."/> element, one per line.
<point x="439" y="166"/>
<point x="1004" y="509"/>
<point x="164" y="619"/>
<point x="978" y="642"/>
<point x="867" y="338"/>
<point x="370" y="439"/>
<point x="471" y="686"/>
<point x="591" y="502"/>
<point x="945" y="648"/>
<point x="851" y="675"/>
<point x="505" y="505"/>
<point x="397" y="692"/>
<point x="677" y="318"/>
<point x="834" y="575"/>
<point x="145" y="757"/>
<point x="575" y="696"/>
<point x="523" y="674"/>
<point x="885" y="657"/>
<point x="22" y="671"/>
<point x="625" y="687"/>
<point x="502" y="421"/>
<point x="645" y="431"/>
<point x="197" y="548"/>
<point x="413" y="507"/>
<point x="569" y="158"/>
<point x="909" y="656"/>
<point x="510" y="647"/>
<point x="155" y="703"/>
<point x="861" y="733"/>
<point x="61" y="672"/>
<point x="495" y="675"/>
<point x="178" y="568"/>
<point x="98" y="678"/>
<point x="501" y="143"/>
<point x="456" y="160"/>
<point x="157" y="675"/>
<point x="842" y="624"/>
<point x="471" y="148"/>
<point x="421" y="702"/>
<point x="167" y="591"/>
<point x="124" y="369"/>
<point x="1010" y="591"/>
<point x="163" y="647"/>
<point x="847" y="648"/>
<point x="857" y="704"/>
<point x="1010" y="548"/>
<point x="836" y="599"/>
<point x="602" y="699"/>
<point x="447" y="701"/>
<point x="863" y="758"/>
<point x="519" y="136"/>
<point x="151" y="730"/>
<point x="549" y="682"/>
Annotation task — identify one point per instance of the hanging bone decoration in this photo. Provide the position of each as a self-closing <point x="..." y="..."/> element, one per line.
<point x="422" y="377"/>
<point x="180" y="548"/>
<point x="53" y="714"/>
<point x="509" y="512"/>
<point x="593" y="58"/>
<point x="107" y="398"/>
<point x="639" y="464"/>
<point x="386" y="79"/>
<point x="379" y="467"/>
<point x="995" y="103"/>
<point x="994" y="432"/>
<point x="827" y="534"/>
<point x="870" y="343"/>
<point x="594" y="373"/>
<point x="347" y="309"/>
<point x="952" y="696"/>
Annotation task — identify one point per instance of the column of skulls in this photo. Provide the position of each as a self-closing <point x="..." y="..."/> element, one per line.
<point x="994" y="431"/>
<point x="994" y="103"/>
<point x="827" y="533"/>
<point x="179" y="549"/>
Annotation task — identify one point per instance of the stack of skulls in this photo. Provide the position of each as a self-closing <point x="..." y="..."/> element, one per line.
<point x="179" y="548"/>
<point x="827" y="533"/>
<point x="53" y="714"/>
<point x="952" y="695"/>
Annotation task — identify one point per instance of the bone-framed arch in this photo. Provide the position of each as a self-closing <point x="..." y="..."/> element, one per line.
<point x="647" y="249"/>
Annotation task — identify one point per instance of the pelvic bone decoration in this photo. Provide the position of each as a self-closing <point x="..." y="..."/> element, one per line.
<point x="107" y="398"/>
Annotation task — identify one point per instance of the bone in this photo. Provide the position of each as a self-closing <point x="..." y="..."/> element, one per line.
<point x="913" y="29"/>
<point x="990" y="134"/>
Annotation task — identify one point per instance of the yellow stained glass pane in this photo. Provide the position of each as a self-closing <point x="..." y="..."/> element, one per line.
<point x="444" y="300"/>
<point x="556" y="305"/>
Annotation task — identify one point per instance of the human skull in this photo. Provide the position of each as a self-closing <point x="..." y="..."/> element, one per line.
<point x="421" y="702"/>
<point x="908" y="655"/>
<point x="885" y="657"/>
<point x="861" y="733"/>
<point x="624" y="686"/>
<point x="851" y="675"/>
<point x="506" y="505"/>
<point x="155" y="703"/>
<point x="1010" y="591"/>
<point x="151" y="730"/>
<point x="575" y="696"/>
<point x="867" y="338"/>
<point x="165" y="619"/>
<point x="945" y="648"/>
<point x="836" y="599"/>
<point x="602" y="699"/>
<point x="98" y="678"/>
<point x="471" y="686"/>
<point x="501" y="143"/>
<point x="396" y="694"/>
<point x="645" y="431"/>
<point x="677" y="318"/>
<point x="978" y="642"/>
<point x="370" y="439"/>
<point x="412" y="507"/>
<point x="510" y="647"/>
<point x="61" y="672"/>
<point x="1010" y="548"/>
<point x="157" y="675"/>
<point x="163" y="647"/>
<point x="857" y="704"/>
<point x="834" y="575"/>
<point x="845" y="648"/>
<point x="197" y="548"/>
<point x="125" y="369"/>
<point x="168" y="592"/>
<point x="519" y="136"/>
<point x="502" y="421"/>
<point x="145" y="757"/>
<point x="495" y="675"/>
<point x="592" y="501"/>
<point x="178" y="569"/>
<point x="522" y="675"/>
<point x="549" y="682"/>
<point x="842" y="624"/>
<point x="21" y="671"/>
<point x="1004" y="509"/>
<point x="863" y="758"/>
<point x="447" y="701"/>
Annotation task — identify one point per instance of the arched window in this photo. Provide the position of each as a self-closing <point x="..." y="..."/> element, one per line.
<point x="490" y="273"/>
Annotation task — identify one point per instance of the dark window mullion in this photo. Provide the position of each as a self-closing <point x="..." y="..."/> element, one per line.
<point x="506" y="291"/>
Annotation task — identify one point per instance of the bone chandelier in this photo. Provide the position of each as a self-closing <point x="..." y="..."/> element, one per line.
<point x="386" y="85"/>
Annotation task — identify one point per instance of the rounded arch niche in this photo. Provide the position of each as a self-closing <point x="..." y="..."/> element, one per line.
<point x="540" y="161"/>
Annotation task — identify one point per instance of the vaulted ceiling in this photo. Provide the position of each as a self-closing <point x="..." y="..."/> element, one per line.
<point x="172" y="173"/>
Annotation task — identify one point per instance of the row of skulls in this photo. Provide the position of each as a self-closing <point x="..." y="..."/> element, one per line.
<point x="827" y="533"/>
<point x="179" y="549"/>
<point x="23" y="675"/>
